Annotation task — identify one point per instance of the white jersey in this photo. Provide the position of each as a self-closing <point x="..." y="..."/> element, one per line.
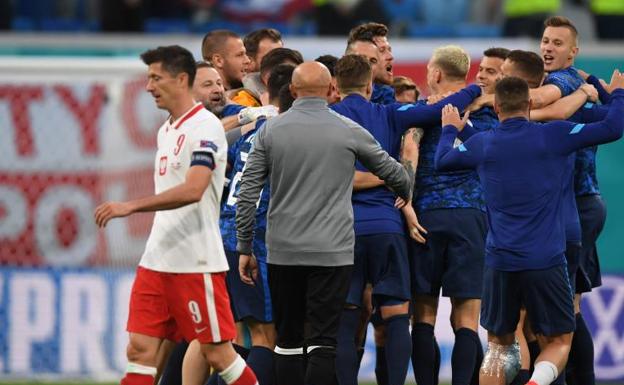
<point x="187" y="239"/>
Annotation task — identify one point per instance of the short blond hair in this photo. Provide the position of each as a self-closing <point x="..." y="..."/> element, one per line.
<point x="452" y="60"/>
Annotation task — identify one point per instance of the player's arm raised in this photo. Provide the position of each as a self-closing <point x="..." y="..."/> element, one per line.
<point x="190" y="191"/>
<point x="565" y="107"/>
<point x="465" y="156"/>
<point x="544" y="95"/>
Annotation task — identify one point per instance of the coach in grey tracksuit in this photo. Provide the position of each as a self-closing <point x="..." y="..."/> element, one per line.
<point x="309" y="154"/>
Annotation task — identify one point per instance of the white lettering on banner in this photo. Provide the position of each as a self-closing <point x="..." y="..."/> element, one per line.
<point x="607" y="310"/>
<point x="13" y="205"/>
<point x="84" y="311"/>
<point x="55" y="199"/>
<point x="32" y="317"/>
<point x="122" y="301"/>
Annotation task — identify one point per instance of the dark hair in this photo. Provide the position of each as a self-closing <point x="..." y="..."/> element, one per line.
<point x="366" y="32"/>
<point x="285" y="98"/>
<point x="281" y="75"/>
<point x="353" y="72"/>
<point x="512" y="94"/>
<point x="498" y="52"/>
<point x="252" y="39"/>
<point x="174" y="59"/>
<point x="529" y="64"/>
<point x="214" y="42"/>
<point x="279" y="56"/>
<point x="403" y="83"/>
<point x="561" y="21"/>
<point x="329" y="61"/>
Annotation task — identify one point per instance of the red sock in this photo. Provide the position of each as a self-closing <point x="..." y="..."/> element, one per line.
<point x="531" y="383"/>
<point x="247" y="377"/>
<point x="137" y="379"/>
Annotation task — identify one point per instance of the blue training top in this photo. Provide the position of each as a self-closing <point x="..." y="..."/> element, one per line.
<point x="373" y="209"/>
<point x="450" y="189"/>
<point x="237" y="158"/>
<point x="521" y="166"/>
<point x="382" y="94"/>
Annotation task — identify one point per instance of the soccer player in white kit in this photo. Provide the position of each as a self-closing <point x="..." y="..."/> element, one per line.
<point x="179" y="289"/>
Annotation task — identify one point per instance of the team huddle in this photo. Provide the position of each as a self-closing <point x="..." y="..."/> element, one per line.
<point x="298" y="201"/>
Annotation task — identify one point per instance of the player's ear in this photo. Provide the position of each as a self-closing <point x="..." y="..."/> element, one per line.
<point x="530" y="104"/>
<point x="216" y="60"/>
<point x="495" y="105"/>
<point x="293" y="90"/>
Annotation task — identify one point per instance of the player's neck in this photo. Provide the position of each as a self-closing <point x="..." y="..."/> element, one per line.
<point x="512" y="115"/>
<point x="448" y="86"/>
<point x="183" y="105"/>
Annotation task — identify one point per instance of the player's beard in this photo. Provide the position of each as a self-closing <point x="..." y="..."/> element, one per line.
<point x="216" y="107"/>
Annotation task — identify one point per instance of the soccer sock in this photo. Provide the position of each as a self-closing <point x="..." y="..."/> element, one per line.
<point x="545" y="373"/>
<point x="214" y="379"/>
<point x="464" y="356"/>
<point x="479" y="361"/>
<point x="346" y="351"/>
<point x="398" y="348"/>
<point x="137" y="374"/>
<point x="289" y="366"/>
<point x="260" y="360"/>
<point x="381" y="365"/>
<point x="522" y="377"/>
<point x="582" y="354"/>
<point x="436" y="365"/>
<point x="172" y="374"/>
<point x="423" y="353"/>
<point x="238" y="373"/>
<point x="321" y="368"/>
<point x="534" y="351"/>
<point x="241" y="350"/>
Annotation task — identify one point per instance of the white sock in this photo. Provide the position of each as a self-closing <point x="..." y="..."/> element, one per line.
<point x="141" y="369"/>
<point x="545" y="373"/>
<point x="234" y="371"/>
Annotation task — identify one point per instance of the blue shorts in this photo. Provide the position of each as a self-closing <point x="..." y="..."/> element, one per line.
<point x="453" y="256"/>
<point x="546" y="295"/>
<point x="380" y="259"/>
<point x="579" y="279"/>
<point x="249" y="301"/>
<point x="593" y="214"/>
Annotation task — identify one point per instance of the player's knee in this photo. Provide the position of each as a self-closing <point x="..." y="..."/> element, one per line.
<point x="501" y="361"/>
<point x="141" y="353"/>
<point x="262" y="334"/>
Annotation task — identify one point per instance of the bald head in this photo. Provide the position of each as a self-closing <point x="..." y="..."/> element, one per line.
<point x="311" y="78"/>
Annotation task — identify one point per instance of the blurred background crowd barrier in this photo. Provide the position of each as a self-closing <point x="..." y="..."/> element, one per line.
<point x="77" y="128"/>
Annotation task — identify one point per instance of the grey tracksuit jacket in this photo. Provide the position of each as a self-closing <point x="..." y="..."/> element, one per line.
<point x="309" y="154"/>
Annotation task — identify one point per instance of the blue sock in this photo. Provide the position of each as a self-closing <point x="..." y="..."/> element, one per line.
<point x="464" y="356"/>
<point x="534" y="351"/>
<point x="260" y="360"/>
<point x="437" y="358"/>
<point x="215" y="379"/>
<point x="381" y="365"/>
<point x="398" y="348"/>
<point x="523" y="376"/>
<point x="582" y="354"/>
<point x="423" y="354"/>
<point x="346" y="351"/>
<point x="241" y="350"/>
<point x="172" y="374"/>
